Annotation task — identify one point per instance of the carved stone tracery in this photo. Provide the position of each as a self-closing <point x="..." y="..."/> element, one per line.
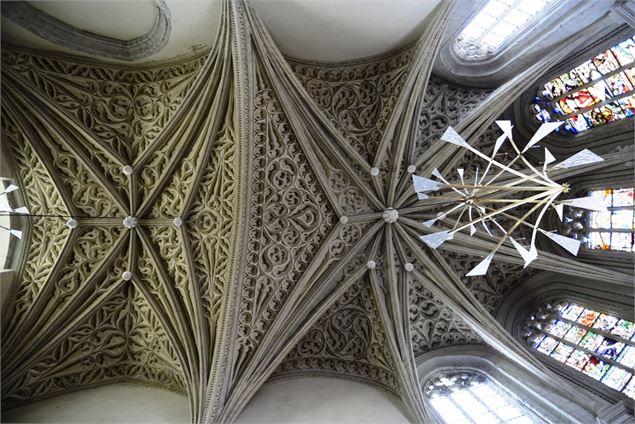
<point x="251" y="255"/>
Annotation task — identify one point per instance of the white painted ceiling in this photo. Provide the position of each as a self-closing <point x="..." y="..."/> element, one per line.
<point x="318" y="30"/>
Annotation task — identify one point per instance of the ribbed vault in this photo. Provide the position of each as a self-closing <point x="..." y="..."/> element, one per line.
<point x="266" y="161"/>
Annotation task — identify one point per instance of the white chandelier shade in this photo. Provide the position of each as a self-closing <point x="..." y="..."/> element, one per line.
<point x="499" y="191"/>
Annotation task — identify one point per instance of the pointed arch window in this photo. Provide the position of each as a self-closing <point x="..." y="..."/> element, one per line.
<point x="615" y="229"/>
<point x="597" y="344"/>
<point x="496" y="23"/>
<point x="610" y="230"/>
<point x="471" y="397"/>
<point x="597" y="92"/>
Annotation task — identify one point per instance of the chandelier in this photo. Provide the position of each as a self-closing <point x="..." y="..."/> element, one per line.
<point x="7" y="210"/>
<point x="514" y="192"/>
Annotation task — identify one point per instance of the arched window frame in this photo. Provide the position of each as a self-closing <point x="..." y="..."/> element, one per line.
<point x="613" y="298"/>
<point x="585" y="183"/>
<point x="517" y="382"/>
<point x="568" y="17"/>
<point x="10" y="266"/>
<point x="595" y="88"/>
<point x="470" y="375"/>
<point x="543" y="14"/>
<point x="538" y="328"/>
<point x="602" y="139"/>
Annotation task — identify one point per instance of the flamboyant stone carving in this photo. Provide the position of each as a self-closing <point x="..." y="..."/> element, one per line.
<point x="263" y="243"/>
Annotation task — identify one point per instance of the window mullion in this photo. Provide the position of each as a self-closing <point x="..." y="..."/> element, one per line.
<point x="596" y="330"/>
<point x="592" y="83"/>
<point x="463" y="411"/>
<point x="600" y="357"/>
<point x="595" y="106"/>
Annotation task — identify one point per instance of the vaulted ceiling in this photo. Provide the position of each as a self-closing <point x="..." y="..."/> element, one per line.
<point x="260" y="248"/>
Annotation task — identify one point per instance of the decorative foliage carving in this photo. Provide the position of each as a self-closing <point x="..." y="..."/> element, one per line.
<point x="444" y="104"/>
<point x="290" y="218"/>
<point x="150" y="356"/>
<point x="348" y="339"/>
<point x="433" y="324"/>
<point x="124" y="109"/>
<point x="87" y="356"/>
<point x="359" y="98"/>
<point x="489" y="289"/>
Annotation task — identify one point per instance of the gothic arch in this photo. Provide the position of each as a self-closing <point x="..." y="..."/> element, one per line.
<point x="547" y="287"/>
<point x="608" y="139"/>
<point x="519" y="383"/>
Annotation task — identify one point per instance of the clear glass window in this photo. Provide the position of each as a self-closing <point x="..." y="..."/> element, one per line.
<point x="497" y="22"/>
<point x="462" y="397"/>
<point x="614" y="229"/>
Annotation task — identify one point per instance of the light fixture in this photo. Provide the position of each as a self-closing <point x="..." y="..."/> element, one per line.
<point x="8" y="210"/>
<point x="486" y="198"/>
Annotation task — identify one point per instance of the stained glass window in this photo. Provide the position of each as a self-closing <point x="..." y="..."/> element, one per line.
<point x="497" y="22"/>
<point x="595" y="343"/>
<point x="615" y="229"/>
<point x="597" y="92"/>
<point x="472" y="397"/>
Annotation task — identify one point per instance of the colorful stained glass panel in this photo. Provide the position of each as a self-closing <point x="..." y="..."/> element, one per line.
<point x="571" y="311"/>
<point x="628" y="105"/>
<point x="605" y="322"/>
<point x="627" y="357"/>
<point x="558" y="328"/>
<point x="605" y="62"/>
<point x="596" y="368"/>
<point x="610" y="348"/>
<point x="578" y="359"/>
<point x="616" y="378"/>
<point x="624" y="52"/>
<point x="622" y="241"/>
<point x="587" y="72"/>
<point x="624" y="329"/>
<point x="561" y="352"/>
<point x="601" y="220"/>
<point x="595" y="82"/>
<point x="622" y="197"/>
<point x="537" y="339"/>
<point x="629" y="390"/>
<point x="578" y="123"/>
<point x="588" y="317"/>
<point x="619" y="84"/>
<point x="547" y="345"/>
<point x="575" y="334"/>
<point x="591" y="341"/>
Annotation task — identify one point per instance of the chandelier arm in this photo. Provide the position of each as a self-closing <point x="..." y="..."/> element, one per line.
<point x="542" y="213"/>
<point x="518" y="222"/>
<point x="505" y="208"/>
<point x="452" y="186"/>
<point x="489" y="164"/>
<point x="444" y="214"/>
<point x="508" y="187"/>
<point x="529" y="165"/>
<point x="504" y="167"/>
<point x="461" y="216"/>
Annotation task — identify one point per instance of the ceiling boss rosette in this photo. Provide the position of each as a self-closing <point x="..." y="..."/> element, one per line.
<point x="500" y="191"/>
